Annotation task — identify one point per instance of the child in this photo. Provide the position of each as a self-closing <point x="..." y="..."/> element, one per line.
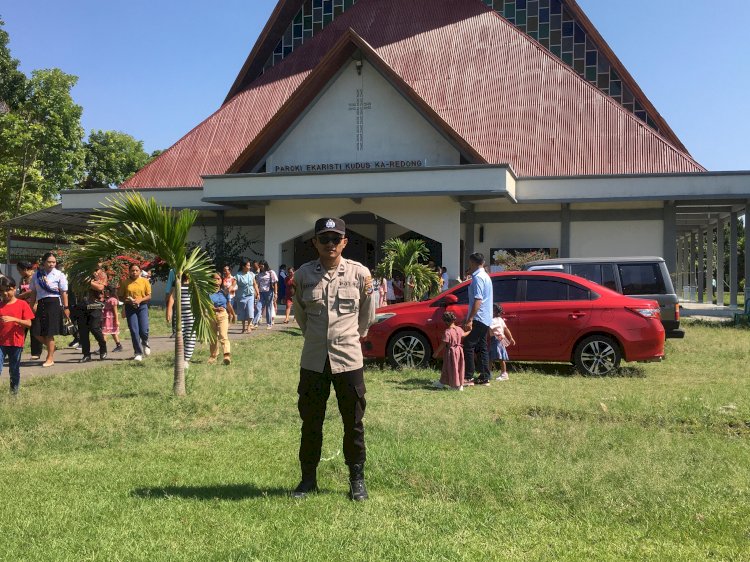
<point x="452" y="375"/>
<point x="15" y="317"/>
<point x="501" y="338"/>
<point x="110" y="321"/>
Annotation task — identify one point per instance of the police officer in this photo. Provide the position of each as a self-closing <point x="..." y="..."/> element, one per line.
<point x="334" y="306"/>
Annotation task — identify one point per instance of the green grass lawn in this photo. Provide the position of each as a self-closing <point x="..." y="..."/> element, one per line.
<point x="650" y="465"/>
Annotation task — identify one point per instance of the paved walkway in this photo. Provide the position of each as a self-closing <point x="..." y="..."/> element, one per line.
<point x="66" y="360"/>
<point x="710" y="312"/>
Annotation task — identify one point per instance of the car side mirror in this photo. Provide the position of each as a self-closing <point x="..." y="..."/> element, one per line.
<point x="449" y="300"/>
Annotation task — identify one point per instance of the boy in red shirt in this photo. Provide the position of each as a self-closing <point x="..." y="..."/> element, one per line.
<point x="15" y="317"/>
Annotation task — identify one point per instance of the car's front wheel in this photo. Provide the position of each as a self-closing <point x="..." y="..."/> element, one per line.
<point x="597" y="356"/>
<point x="409" y="349"/>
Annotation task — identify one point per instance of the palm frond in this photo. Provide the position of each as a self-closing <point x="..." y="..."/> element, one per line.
<point x="406" y="257"/>
<point x="199" y="267"/>
<point x="130" y="223"/>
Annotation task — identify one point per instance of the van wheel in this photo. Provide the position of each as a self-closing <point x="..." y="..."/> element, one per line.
<point x="597" y="356"/>
<point x="409" y="349"/>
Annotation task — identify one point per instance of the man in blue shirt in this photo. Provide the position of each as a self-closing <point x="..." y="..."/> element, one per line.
<point x="478" y="321"/>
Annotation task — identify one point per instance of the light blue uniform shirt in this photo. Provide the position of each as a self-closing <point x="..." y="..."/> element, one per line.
<point x="56" y="281"/>
<point x="481" y="289"/>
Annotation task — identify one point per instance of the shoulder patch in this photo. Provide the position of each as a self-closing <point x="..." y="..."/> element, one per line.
<point x="355" y="263"/>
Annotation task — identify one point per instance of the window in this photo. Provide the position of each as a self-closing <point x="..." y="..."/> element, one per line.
<point x="538" y="290"/>
<point x="576" y="293"/>
<point x="598" y="273"/>
<point x="590" y="271"/>
<point x="505" y="290"/>
<point x="462" y="295"/>
<point x="608" y="276"/>
<point x="641" y="279"/>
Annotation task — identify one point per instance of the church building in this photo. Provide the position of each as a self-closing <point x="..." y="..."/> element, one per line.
<point x="476" y="125"/>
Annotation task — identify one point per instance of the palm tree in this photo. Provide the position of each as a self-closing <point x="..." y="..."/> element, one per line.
<point x="129" y="223"/>
<point x="405" y="257"/>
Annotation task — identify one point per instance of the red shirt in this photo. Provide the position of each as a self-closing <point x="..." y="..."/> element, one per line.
<point x="12" y="334"/>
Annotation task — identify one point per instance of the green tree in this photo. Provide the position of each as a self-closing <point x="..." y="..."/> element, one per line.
<point x="111" y="158"/>
<point x="12" y="80"/>
<point x="406" y="258"/>
<point x="41" y="148"/>
<point x="130" y="224"/>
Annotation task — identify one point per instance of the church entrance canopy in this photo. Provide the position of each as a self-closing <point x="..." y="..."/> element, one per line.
<point x="451" y="181"/>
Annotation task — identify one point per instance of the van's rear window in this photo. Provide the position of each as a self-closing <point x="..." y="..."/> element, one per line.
<point x="641" y="279"/>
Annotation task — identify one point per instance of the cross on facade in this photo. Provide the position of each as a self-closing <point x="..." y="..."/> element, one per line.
<point x="360" y="106"/>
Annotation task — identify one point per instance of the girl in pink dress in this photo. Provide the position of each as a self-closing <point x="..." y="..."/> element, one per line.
<point x="452" y="375"/>
<point x="110" y="321"/>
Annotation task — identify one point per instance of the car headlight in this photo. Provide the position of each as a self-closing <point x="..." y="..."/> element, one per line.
<point x="383" y="317"/>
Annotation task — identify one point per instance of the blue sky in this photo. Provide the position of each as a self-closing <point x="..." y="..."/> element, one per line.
<point x="155" y="69"/>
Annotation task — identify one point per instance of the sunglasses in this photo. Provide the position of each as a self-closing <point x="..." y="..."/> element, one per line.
<point x="331" y="238"/>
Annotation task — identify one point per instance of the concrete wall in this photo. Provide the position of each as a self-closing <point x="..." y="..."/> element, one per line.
<point x="592" y="239"/>
<point x="517" y="235"/>
<point x="393" y="129"/>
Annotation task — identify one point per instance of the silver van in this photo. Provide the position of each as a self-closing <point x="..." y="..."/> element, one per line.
<point x="639" y="277"/>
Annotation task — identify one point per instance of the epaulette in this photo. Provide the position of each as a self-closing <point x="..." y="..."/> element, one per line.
<point x="352" y="262"/>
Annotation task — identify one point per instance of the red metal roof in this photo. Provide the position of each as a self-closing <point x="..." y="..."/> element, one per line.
<point x="506" y="96"/>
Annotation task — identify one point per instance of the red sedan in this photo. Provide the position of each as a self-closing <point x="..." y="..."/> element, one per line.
<point x="553" y="317"/>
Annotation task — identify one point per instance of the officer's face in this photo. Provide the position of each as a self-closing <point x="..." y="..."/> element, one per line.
<point x="330" y="244"/>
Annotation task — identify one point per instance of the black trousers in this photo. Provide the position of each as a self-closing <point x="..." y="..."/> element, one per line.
<point x="36" y="346"/>
<point x="475" y="346"/>
<point x="314" y="390"/>
<point x="90" y="322"/>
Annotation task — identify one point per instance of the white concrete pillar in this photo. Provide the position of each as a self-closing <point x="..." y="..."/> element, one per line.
<point x="679" y="270"/>
<point x="733" y="273"/>
<point x="710" y="264"/>
<point x="701" y="265"/>
<point x="692" y="260"/>
<point x="720" y="263"/>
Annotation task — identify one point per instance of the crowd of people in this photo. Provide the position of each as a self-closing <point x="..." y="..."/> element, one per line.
<point x="42" y="307"/>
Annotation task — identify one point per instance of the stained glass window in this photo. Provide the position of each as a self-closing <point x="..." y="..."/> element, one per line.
<point x="553" y="25"/>
<point x="311" y="18"/>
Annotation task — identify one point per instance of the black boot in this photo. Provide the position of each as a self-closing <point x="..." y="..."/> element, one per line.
<point x="357" y="488"/>
<point x="308" y="484"/>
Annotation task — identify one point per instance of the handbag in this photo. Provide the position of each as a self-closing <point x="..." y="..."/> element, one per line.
<point x="67" y="327"/>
